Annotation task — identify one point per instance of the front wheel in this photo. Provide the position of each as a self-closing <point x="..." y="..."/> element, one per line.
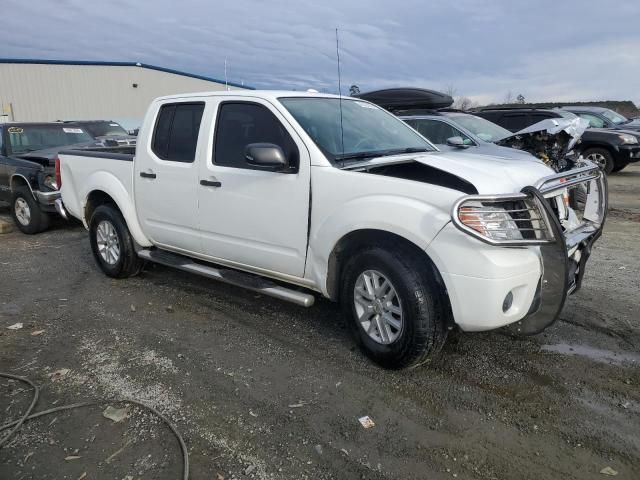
<point x="396" y="307"/>
<point x="111" y="243"/>
<point x="26" y="212"/>
<point x="601" y="157"/>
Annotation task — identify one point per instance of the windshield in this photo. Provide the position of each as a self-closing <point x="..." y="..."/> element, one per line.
<point x="104" y="129"/>
<point x="28" y="138"/>
<point x="367" y="130"/>
<point x="614" y="117"/>
<point x="481" y="128"/>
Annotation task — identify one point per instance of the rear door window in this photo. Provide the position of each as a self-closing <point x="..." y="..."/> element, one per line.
<point x="515" y="121"/>
<point x="437" y="131"/>
<point x="175" y="137"/>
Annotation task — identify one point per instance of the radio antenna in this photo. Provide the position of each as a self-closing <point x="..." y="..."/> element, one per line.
<point x="226" y="84"/>
<point x="340" y="92"/>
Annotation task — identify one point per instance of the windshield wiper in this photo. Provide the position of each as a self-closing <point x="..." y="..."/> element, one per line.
<point x="381" y="153"/>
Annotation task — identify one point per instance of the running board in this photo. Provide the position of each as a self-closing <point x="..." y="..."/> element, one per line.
<point x="226" y="275"/>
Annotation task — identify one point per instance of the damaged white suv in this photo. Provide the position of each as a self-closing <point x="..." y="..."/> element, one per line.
<point x="287" y="193"/>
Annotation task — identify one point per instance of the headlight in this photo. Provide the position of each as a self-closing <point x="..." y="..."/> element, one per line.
<point x="491" y="222"/>
<point x="627" y="138"/>
<point x="50" y="182"/>
<point x="500" y="221"/>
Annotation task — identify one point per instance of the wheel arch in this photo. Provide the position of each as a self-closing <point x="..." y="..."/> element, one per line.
<point x="357" y="239"/>
<point x="604" y="146"/>
<point x="101" y="196"/>
<point x="18" y="180"/>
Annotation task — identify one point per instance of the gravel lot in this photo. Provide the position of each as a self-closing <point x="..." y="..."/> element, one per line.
<point x="263" y="389"/>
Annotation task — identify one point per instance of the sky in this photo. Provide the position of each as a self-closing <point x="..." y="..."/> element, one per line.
<point x="559" y="50"/>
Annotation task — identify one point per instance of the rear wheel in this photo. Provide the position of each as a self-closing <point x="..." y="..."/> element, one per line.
<point x="600" y="157"/>
<point x="26" y="212"/>
<point x="395" y="306"/>
<point x="111" y="243"/>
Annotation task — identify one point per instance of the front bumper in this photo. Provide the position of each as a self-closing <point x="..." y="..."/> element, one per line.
<point x="479" y="275"/>
<point x="628" y="153"/>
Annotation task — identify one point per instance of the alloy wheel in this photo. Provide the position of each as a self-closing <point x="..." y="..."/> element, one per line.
<point x="598" y="159"/>
<point x="378" y="307"/>
<point x="108" y="244"/>
<point x="23" y="212"/>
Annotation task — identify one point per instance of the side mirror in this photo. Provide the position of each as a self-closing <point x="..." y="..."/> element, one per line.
<point x="457" y="142"/>
<point x="266" y="156"/>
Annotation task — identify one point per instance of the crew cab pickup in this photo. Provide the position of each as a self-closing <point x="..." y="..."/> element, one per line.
<point x="290" y="193"/>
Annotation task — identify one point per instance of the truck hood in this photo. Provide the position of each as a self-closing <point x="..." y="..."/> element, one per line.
<point x="488" y="174"/>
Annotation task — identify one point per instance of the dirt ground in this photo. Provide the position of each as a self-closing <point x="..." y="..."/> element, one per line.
<point x="263" y="389"/>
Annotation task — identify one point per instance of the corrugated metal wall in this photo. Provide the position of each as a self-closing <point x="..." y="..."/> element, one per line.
<point x="34" y="92"/>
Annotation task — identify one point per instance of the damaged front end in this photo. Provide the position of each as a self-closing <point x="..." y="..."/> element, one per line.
<point x="563" y="215"/>
<point x="551" y="140"/>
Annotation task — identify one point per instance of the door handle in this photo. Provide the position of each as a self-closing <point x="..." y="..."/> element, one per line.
<point x="210" y="183"/>
<point x="148" y="175"/>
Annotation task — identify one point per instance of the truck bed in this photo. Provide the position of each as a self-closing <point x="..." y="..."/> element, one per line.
<point x="110" y="172"/>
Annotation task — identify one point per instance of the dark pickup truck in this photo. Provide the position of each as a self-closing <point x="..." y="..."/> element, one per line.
<point x="28" y="153"/>
<point x="611" y="150"/>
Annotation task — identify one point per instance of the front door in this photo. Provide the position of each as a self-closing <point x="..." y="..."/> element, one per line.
<point x="166" y="178"/>
<point x="250" y="216"/>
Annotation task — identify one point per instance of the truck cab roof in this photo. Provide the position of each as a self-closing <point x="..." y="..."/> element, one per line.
<point x="265" y="94"/>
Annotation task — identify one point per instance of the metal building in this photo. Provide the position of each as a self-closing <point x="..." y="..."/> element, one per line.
<point x="48" y="90"/>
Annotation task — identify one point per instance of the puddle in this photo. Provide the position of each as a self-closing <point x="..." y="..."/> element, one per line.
<point x="595" y="354"/>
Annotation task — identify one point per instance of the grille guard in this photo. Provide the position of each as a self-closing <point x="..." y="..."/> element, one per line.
<point x="548" y="187"/>
<point x="562" y="270"/>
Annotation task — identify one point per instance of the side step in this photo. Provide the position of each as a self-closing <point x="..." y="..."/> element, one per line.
<point x="226" y="275"/>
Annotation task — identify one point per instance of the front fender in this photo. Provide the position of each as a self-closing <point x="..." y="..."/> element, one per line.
<point x="416" y="221"/>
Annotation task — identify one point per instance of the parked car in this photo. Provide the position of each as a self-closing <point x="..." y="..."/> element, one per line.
<point x="107" y="131"/>
<point x="27" y="177"/>
<point x="600" y="117"/>
<point x="27" y="160"/>
<point x="610" y="150"/>
<point x="289" y="193"/>
<point x="453" y="130"/>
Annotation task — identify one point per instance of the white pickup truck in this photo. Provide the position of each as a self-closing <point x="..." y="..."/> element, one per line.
<point x="289" y="193"/>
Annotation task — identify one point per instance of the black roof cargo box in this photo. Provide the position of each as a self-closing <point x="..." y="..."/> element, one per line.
<point x="394" y="99"/>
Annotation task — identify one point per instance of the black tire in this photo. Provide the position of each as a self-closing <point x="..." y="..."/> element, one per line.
<point x="607" y="158"/>
<point x="619" y="167"/>
<point x="423" y="302"/>
<point x="127" y="262"/>
<point x="36" y="220"/>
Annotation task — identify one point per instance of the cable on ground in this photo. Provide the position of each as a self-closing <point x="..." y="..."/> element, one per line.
<point x="16" y="424"/>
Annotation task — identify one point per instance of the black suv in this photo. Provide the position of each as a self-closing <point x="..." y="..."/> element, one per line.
<point x="611" y="150"/>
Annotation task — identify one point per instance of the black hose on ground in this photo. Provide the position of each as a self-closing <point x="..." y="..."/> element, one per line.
<point x="15" y="425"/>
<point x="18" y="423"/>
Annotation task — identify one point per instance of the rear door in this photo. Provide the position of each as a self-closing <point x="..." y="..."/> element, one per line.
<point x="251" y="217"/>
<point x="166" y="177"/>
